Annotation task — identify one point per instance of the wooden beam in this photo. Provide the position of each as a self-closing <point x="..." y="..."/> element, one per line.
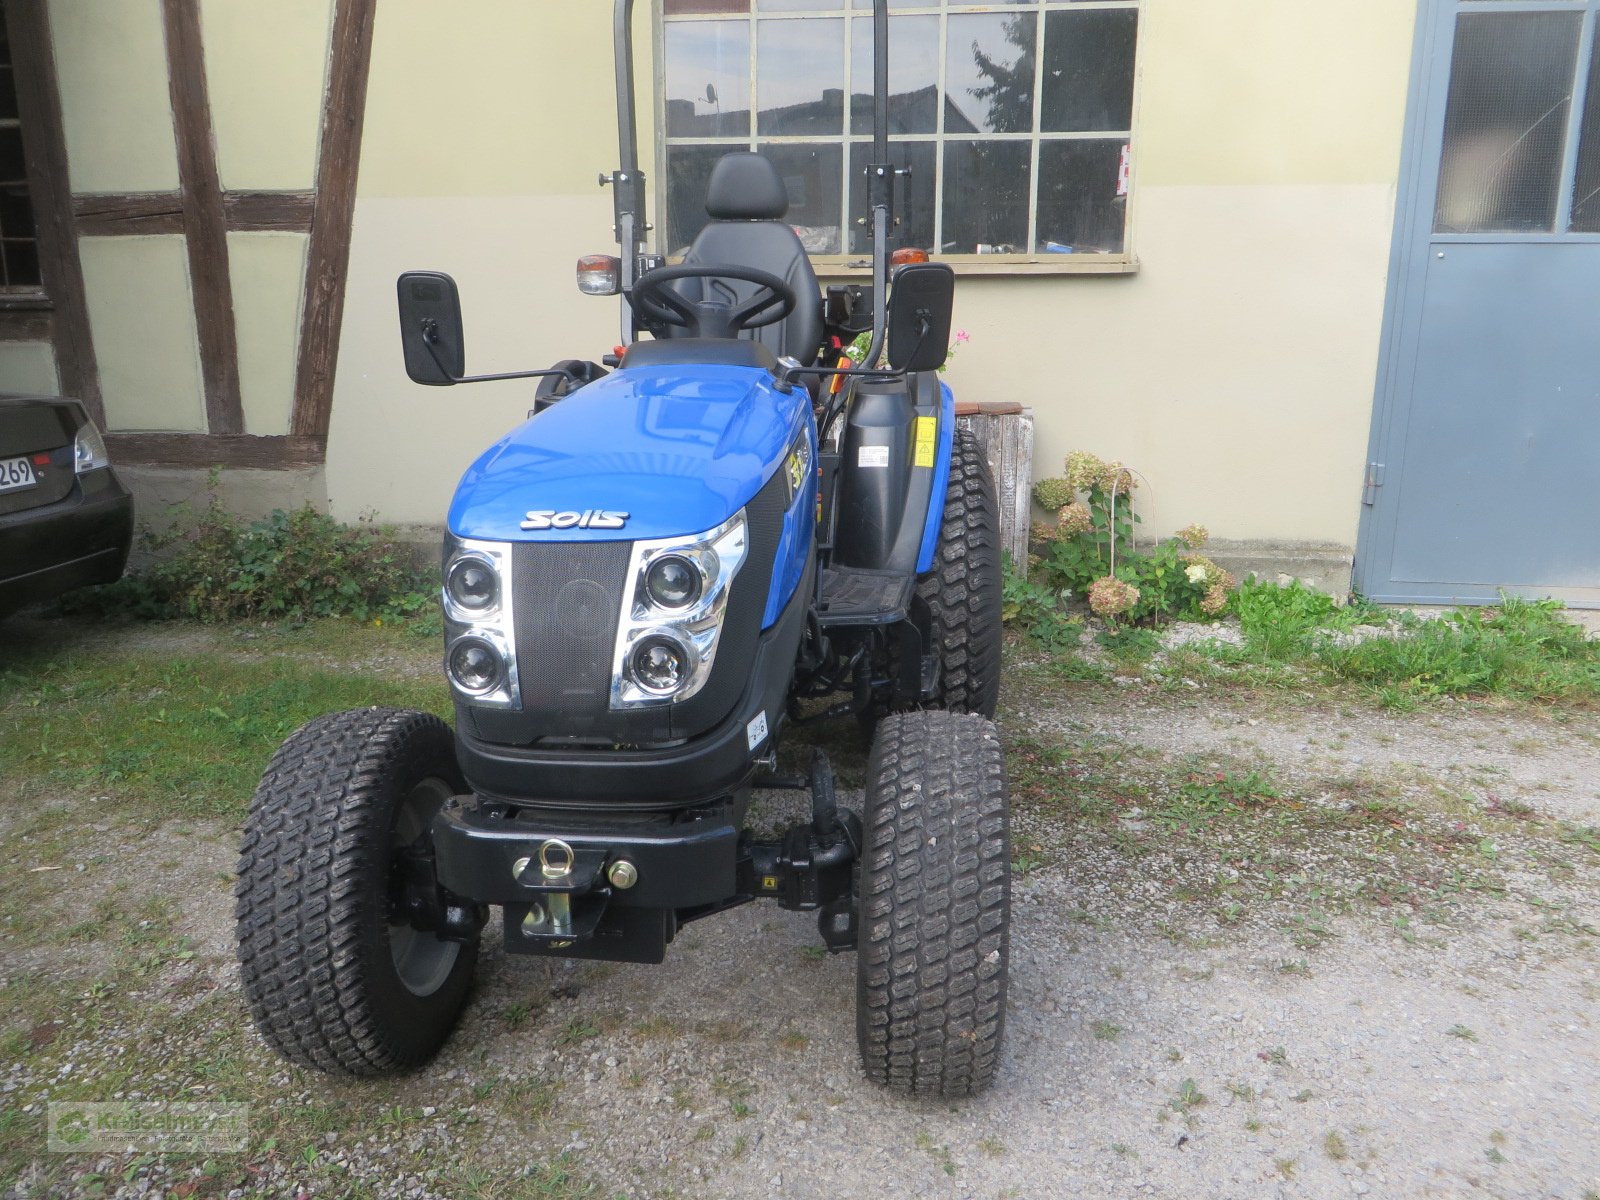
<point x="204" y="220"/>
<point x="134" y="213"/>
<point x="45" y="148"/>
<point x="27" y="325"/>
<point x="213" y="450"/>
<point x="269" y="212"/>
<point x="328" y="258"/>
<point x="162" y="212"/>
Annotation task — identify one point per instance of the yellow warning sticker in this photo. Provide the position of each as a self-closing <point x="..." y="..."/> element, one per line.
<point x="927" y="441"/>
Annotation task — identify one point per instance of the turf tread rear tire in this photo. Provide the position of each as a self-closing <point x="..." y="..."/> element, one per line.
<point x="311" y="898"/>
<point x="963" y="589"/>
<point x="935" y="899"/>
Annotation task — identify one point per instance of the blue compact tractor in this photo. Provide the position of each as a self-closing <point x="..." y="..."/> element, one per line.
<point x="730" y="531"/>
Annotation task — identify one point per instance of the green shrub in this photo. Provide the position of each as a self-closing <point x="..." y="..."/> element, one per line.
<point x="1090" y="551"/>
<point x="1038" y="610"/>
<point x="1282" y="621"/>
<point x="289" y="566"/>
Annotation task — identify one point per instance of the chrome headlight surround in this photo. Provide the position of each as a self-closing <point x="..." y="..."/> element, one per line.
<point x="717" y="555"/>
<point x="494" y="623"/>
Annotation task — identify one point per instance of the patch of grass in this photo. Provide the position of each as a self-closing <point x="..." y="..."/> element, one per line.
<point x="576" y="1030"/>
<point x="185" y="735"/>
<point x="1105" y="1031"/>
<point x="1523" y="649"/>
<point x="1462" y="1032"/>
<point x="1130" y="645"/>
<point x="1204" y="797"/>
<point x="1189" y="1097"/>
<point x="1333" y="1146"/>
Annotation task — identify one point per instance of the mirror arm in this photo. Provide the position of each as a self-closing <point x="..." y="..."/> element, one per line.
<point x="430" y="337"/>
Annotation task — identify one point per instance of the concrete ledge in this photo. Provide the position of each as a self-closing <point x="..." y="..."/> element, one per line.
<point x="1325" y="566"/>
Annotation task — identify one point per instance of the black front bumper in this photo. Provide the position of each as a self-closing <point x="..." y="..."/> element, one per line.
<point x="681" y="866"/>
<point x="77" y="541"/>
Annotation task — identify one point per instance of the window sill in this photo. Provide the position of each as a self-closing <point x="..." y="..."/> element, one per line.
<point x="25" y="301"/>
<point x="835" y="267"/>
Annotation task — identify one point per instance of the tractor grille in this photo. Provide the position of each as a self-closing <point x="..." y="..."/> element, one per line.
<point x="566" y="597"/>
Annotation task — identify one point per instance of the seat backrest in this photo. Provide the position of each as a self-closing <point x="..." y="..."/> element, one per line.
<point x="746" y="201"/>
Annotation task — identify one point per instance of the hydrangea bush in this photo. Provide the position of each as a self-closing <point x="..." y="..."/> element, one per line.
<point x="1089" y="552"/>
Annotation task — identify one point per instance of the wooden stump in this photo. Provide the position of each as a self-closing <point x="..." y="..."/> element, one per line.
<point x="1005" y="431"/>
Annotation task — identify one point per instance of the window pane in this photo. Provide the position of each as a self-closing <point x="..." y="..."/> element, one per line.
<point x="11" y="167"/>
<point x="708" y="78"/>
<point x="1586" y="190"/>
<point x="989" y="73"/>
<point x="688" y="172"/>
<point x="913" y="198"/>
<point x="985" y="197"/>
<point x="8" y="93"/>
<point x="811" y="175"/>
<point x="1079" y="209"/>
<point x="1088" y="70"/>
<point x="679" y="8"/>
<point x="800" y="77"/>
<point x="913" y="75"/>
<point x="1504" y="125"/>
<point x="22" y="264"/>
<point x="793" y="5"/>
<point x="16" y="212"/>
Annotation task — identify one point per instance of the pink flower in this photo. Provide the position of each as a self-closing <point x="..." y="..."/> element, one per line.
<point x="962" y="336"/>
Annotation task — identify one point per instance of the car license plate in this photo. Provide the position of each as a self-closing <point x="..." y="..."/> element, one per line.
<point x="16" y="474"/>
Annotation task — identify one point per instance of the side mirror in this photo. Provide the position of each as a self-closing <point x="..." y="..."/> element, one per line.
<point x="920" y="301"/>
<point x="430" y="328"/>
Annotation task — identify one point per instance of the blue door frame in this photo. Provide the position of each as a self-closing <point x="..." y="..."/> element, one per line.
<point x="1484" y="463"/>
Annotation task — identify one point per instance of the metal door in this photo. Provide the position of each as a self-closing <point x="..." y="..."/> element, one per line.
<point x="1485" y="462"/>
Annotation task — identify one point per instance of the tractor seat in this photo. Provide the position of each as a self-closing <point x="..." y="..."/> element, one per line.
<point x="746" y="201"/>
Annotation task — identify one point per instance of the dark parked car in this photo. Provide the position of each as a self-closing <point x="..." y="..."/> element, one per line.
<point x="66" y="521"/>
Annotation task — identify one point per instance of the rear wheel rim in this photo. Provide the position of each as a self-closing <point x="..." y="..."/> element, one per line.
<point x="422" y="961"/>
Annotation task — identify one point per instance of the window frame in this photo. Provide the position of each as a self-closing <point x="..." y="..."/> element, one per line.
<point x="844" y="265"/>
<point x="35" y="296"/>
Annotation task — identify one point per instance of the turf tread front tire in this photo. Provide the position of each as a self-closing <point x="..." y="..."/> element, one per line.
<point x="963" y="590"/>
<point x="935" y="899"/>
<point x="311" y="898"/>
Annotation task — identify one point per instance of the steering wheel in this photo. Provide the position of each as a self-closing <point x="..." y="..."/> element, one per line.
<point x="660" y="306"/>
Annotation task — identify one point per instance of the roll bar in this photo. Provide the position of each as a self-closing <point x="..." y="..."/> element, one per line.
<point x="628" y="185"/>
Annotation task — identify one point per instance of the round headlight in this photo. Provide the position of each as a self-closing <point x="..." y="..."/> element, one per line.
<point x="472" y="584"/>
<point x="659" y="665"/>
<point x="672" y="582"/>
<point x="475" y="666"/>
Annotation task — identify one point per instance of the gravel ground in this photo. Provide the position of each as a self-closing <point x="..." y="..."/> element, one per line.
<point x="1150" y="1051"/>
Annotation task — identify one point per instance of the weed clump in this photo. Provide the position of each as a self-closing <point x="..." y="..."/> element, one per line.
<point x="289" y="566"/>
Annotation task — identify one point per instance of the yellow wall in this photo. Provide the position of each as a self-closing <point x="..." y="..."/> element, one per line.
<point x="28" y="367"/>
<point x="268" y="271"/>
<point x="142" y="312"/>
<point x="1235" y="369"/>
<point x="111" y="57"/>
<point x="265" y="67"/>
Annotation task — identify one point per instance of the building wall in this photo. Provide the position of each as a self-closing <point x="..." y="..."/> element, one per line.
<point x="265" y="70"/>
<point x="1234" y="369"/>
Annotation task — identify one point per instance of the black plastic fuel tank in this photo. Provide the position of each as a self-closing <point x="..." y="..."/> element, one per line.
<point x="874" y="472"/>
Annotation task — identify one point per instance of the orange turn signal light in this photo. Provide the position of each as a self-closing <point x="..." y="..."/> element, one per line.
<point x="599" y="275"/>
<point x="907" y="254"/>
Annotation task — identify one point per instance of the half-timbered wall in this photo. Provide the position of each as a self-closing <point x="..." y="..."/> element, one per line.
<point x="193" y="167"/>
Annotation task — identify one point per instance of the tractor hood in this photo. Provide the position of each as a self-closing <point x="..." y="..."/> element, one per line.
<point x="678" y="449"/>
